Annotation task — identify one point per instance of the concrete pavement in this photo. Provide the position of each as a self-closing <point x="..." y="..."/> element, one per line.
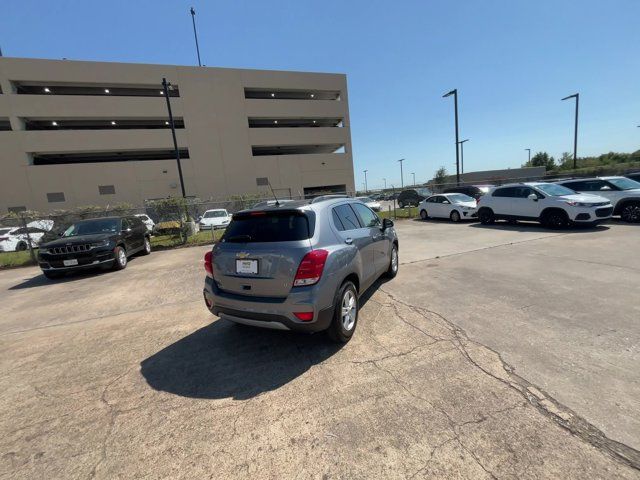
<point x="126" y="374"/>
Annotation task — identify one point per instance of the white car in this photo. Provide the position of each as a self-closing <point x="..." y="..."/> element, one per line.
<point x="455" y="206"/>
<point x="216" y="218"/>
<point x="554" y="206"/>
<point x="371" y="203"/>
<point x="623" y="192"/>
<point x="15" y="239"/>
<point x="147" y="221"/>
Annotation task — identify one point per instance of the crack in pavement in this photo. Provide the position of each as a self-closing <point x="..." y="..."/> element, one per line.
<point x="547" y="405"/>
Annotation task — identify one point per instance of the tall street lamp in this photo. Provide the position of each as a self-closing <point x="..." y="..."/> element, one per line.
<point x="454" y="92"/>
<point x="414" y="178"/>
<point x="462" y="154"/>
<point x="166" y="86"/>
<point x="195" y="34"/>
<point x="365" y="181"/>
<point x="401" y="176"/>
<point x="385" y="183"/>
<point x="575" y="132"/>
<point x="528" y="150"/>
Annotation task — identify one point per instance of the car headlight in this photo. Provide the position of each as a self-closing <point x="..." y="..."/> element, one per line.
<point x="579" y="204"/>
<point x="101" y="243"/>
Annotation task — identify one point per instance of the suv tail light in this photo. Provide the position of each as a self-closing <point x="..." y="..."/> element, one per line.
<point x="311" y="267"/>
<point x="208" y="263"/>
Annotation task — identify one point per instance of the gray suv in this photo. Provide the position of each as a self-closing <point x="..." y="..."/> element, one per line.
<point x="300" y="265"/>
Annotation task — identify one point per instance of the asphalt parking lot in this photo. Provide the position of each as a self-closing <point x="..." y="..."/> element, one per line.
<point x="497" y="352"/>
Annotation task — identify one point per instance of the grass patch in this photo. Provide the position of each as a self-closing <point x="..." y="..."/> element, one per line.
<point x="205" y="237"/>
<point x="408" y="212"/>
<point x="15" y="259"/>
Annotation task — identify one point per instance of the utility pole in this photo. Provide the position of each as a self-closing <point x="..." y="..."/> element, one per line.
<point x="529" y="159"/>
<point x="365" y="181"/>
<point x="195" y="34"/>
<point x="454" y="92"/>
<point x="166" y="86"/>
<point x="575" y="131"/>
<point x="401" y="176"/>
<point x="385" y="183"/>
<point x="414" y="178"/>
<point x="462" y="154"/>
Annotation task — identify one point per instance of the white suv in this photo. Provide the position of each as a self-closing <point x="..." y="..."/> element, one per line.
<point x="554" y="206"/>
<point x="623" y="193"/>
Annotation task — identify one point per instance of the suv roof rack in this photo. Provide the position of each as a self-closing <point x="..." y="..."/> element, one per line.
<point x="322" y="198"/>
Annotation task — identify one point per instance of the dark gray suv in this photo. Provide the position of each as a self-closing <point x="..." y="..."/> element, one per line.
<point x="300" y="265"/>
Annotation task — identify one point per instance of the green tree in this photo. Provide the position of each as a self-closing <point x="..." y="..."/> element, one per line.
<point x="542" y="159"/>
<point x="440" y="176"/>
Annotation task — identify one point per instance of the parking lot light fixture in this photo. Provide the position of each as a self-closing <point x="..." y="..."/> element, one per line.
<point x="462" y="154"/>
<point x="528" y="150"/>
<point x="454" y="92"/>
<point x="385" y="183"/>
<point x="365" y="181"/>
<point x="575" y="131"/>
<point x="166" y="86"/>
<point x="401" y="176"/>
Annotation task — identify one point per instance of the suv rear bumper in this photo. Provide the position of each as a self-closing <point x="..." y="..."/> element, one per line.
<point x="274" y="313"/>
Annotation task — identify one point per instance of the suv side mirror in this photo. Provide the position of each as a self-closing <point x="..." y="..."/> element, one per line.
<point x="387" y="223"/>
<point x="533" y="196"/>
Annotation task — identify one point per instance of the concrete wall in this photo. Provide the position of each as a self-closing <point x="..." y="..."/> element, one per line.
<point x="215" y="112"/>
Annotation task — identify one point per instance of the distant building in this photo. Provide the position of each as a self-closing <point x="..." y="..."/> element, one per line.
<point x="80" y="133"/>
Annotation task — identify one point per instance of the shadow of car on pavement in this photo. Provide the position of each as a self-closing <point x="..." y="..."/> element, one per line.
<point x="224" y="359"/>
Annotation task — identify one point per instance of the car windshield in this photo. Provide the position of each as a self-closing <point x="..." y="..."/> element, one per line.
<point x="215" y="213"/>
<point x="624" y="183"/>
<point x="425" y="192"/>
<point x="365" y="199"/>
<point x="460" y="198"/>
<point x="554" y="190"/>
<point x="93" y="227"/>
<point x="267" y="227"/>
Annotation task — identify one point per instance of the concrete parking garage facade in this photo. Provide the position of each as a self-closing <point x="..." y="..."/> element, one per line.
<point x="85" y="133"/>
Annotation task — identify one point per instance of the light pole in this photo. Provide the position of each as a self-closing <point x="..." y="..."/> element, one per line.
<point x="414" y="178"/>
<point x="529" y="159"/>
<point x="166" y="86"/>
<point x="401" y="176"/>
<point x="195" y="34"/>
<point x="462" y="154"/>
<point x="454" y="92"/>
<point x="365" y="181"/>
<point x="385" y="183"/>
<point x="575" y="131"/>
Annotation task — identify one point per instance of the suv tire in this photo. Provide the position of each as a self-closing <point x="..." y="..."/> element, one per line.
<point x="401" y="204"/>
<point x="146" y="249"/>
<point x="394" y="262"/>
<point x="119" y="258"/>
<point x="455" y="216"/>
<point x="345" y="315"/>
<point x="630" y="212"/>
<point x="486" y="216"/>
<point x="554" y="219"/>
<point x="21" y="247"/>
<point x="423" y="214"/>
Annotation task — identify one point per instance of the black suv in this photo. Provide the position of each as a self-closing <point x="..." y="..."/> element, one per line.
<point x="474" y="191"/>
<point x="98" y="242"/>
<point x="411" y="198"/>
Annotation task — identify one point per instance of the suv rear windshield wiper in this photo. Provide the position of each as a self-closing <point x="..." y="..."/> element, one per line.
<point x="239" y="238"/>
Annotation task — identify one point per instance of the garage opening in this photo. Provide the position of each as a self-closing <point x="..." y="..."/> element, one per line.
<point x="296" y="149"/>
<point x="104" y="157"/>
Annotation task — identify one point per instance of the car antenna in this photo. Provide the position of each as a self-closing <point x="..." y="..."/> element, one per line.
<point x="262" y="181"/>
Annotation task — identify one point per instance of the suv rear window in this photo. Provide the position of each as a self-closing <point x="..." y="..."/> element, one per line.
<point x="260" y="227"/>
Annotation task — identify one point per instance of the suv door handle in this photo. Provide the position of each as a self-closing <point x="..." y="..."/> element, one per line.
<point x="348" y="241"/>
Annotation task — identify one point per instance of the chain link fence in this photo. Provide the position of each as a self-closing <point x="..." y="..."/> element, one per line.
<point x="172" y="222"/>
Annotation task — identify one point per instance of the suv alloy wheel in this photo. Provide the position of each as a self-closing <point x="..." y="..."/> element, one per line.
<point x="631" y="212"/>
<point x="345" y="316"/>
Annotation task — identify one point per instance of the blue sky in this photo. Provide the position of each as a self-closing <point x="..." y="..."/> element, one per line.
<point x="512" y="61"/>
